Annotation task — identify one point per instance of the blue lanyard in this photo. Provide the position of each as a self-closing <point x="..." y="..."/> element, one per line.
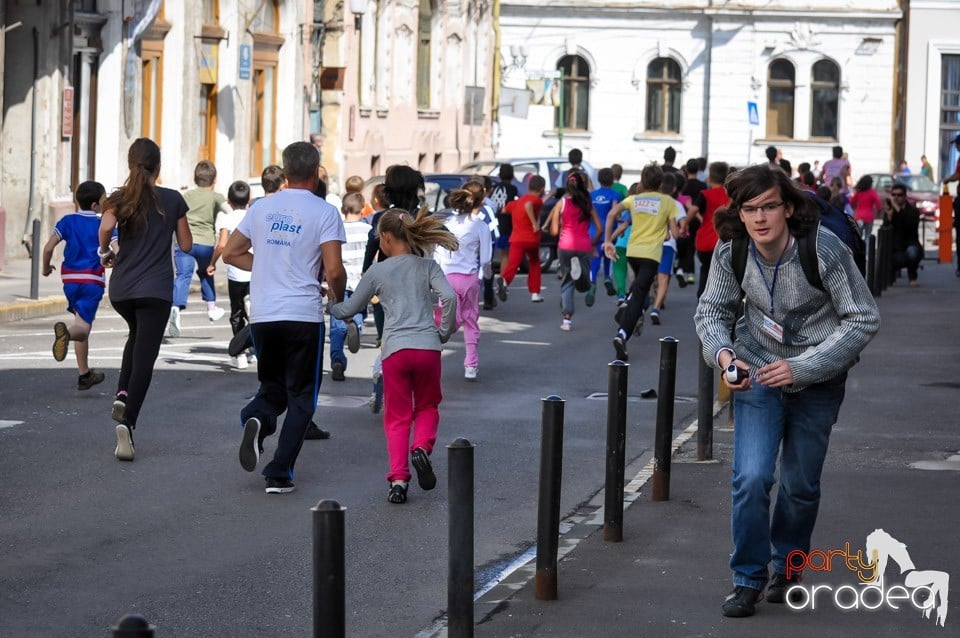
<point x="776" y="270"/>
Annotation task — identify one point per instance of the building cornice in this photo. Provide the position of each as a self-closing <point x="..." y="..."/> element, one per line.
<point x="579" y="11"/>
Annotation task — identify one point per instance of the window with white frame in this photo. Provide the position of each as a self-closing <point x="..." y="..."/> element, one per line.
<point x="824" y="99"/>
<point x="575" y="98"/>
<point x="781" y="86"/>
<point x="663" y="96"/>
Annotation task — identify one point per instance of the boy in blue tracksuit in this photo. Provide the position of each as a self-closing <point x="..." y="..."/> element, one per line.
<point x="82" y="275"/>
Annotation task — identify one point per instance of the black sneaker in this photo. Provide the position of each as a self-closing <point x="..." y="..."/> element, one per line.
<point x="336" y="372"/>
<point x="638" y="329"/>
<point x="314" y="433"/>
<point x="119" y="408"/>
<point x="279" y="486"/>
<point x="608" y="284"/>
<point x="740" y="602"/>
<point x="421" y="463"/>
<point x="501" y="287"/>
<point x="90" y="379"/>
<point x="353" y="337"/>
<point x="398" y="493"/>
<point x="681" y="279"/>
<point x="621" y="347"/>
<point x="249" y="446"/>
<point x="777" y="590"/>
<point x="124" y="451"/>
<point x="655" y="317"/>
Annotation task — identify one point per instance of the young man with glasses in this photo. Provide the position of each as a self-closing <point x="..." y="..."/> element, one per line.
<point x="904" y="219"/>
<point x="787" y="368"/>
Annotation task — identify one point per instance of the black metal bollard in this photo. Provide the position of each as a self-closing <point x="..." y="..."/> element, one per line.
<point x="888" y="253"/>
<point x="548" y="507"/>
<point x="133" y="626"/>
<point x="36" y="258"/>
<point x="664" y="433"/>
<point x="704" y="407"/>
<point x="329" y="574"/>
<point x="460" y="541"/>
<point x="883" y="257"/>
<point x="616" y="450"/>
<point x="872" y="266"/>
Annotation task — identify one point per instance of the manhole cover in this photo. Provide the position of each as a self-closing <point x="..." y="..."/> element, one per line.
<point x="341" y="401"/>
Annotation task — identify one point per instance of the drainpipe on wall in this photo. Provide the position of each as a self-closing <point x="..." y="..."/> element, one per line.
<point x="31" y="214"/>
<point x="495" y="93"/>
<point x="706" y="88"/>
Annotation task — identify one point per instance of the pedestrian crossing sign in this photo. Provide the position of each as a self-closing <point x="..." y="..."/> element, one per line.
<point x="753" y="114"/>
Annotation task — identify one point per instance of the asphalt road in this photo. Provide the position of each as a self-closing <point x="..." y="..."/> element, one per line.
<point x="188" y="539"/>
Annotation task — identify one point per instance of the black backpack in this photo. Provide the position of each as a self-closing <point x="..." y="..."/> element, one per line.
<point x="834" y="220"/>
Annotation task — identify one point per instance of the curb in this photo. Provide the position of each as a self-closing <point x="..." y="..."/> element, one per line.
<point x="32" y="308"/>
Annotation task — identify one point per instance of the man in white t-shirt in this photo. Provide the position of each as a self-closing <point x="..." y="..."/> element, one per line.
<point x="297" y="238"/>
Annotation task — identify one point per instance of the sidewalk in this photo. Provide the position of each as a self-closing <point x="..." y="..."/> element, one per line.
<point x="16" y="303"/>
<point x="670" y="575"/>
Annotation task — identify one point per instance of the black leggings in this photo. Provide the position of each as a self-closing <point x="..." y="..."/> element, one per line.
<point x="147" y="319"/>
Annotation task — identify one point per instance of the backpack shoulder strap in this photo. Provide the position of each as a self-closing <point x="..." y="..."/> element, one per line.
<point x="738" y="257"/>
<point x="807" y="249"/>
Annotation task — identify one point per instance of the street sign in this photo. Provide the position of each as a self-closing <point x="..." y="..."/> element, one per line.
<point x="245" y="60"/>
<point x="753" y="114"/>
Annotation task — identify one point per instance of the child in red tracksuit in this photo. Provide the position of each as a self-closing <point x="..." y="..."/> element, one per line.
<point x="407" y="285"/>
<point x="525" y="238"/>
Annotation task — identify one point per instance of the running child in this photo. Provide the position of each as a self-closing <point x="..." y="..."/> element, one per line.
<point x="463" y="266"/>
<point x="525" y="238"/>
<point x="603" y="200"/>
<point x="238" y="281"/>
<point x="82" y="275"/>
<point x="407" y="285"/>
<point x="352" y="256"/>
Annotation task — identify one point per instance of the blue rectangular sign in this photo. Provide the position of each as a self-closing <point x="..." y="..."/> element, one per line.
<point x="753" y="114"/>
<point x="246" y="60"/>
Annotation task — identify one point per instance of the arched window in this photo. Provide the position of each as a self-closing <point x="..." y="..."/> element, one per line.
<point x="663" y="96"/>
<point x="575" y="98"/>
<point x="781" y="83"/>
<point x="825" y="99"/>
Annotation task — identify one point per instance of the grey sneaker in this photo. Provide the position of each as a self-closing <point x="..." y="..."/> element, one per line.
<point x="501" y="287"/>
<point x="353" y="337"/>
<point x="119" y="408"/>
<point x="124" y="451"/>
<point x="621" y="347"/>
<point x="173" y="323"/>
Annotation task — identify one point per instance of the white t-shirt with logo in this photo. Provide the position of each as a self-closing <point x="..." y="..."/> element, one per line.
<point x="228" y="222"/>
<point x="286" y="231"/>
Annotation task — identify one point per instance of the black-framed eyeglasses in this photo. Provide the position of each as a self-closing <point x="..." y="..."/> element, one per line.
<point x="768" y="208"/>
<point x="895" y="194"/>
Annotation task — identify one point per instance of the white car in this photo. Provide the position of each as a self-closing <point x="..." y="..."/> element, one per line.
<point x="551" y="168"/>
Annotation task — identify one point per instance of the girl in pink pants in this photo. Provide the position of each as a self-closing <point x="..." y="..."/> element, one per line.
<point x="407" y="285"/>
<point x="462" y="267"/>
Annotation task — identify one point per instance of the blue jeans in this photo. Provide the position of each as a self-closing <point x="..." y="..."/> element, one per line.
<point x="801" y="422"/>
<point x="338" y="334"/>
<point x="198" y="256"/>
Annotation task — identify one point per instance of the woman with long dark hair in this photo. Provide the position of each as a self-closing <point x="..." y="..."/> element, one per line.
<point x="866" y="205"/>
<point x="146" y="216"/>
<point x="571" y="218"/>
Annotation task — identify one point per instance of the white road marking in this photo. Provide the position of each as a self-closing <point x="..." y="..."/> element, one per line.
<point x="526" y="343"/>
<point x="9" y="424"/>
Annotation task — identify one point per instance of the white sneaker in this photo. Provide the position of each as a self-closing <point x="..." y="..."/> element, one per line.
<point x="240" y="362"/>
<point x="565" y="325"/>
<point x="124" y="450"/>
<point x="575" y="271"/>
<point x="173" y="324"/>
<point x="251" y="358"/>
<point x="216" y="313"/>
<point x="536" y="297"/>
<point x="470" y="373"/>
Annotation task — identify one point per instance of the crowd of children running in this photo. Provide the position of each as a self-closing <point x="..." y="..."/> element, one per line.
<point x="424" y="276"/>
